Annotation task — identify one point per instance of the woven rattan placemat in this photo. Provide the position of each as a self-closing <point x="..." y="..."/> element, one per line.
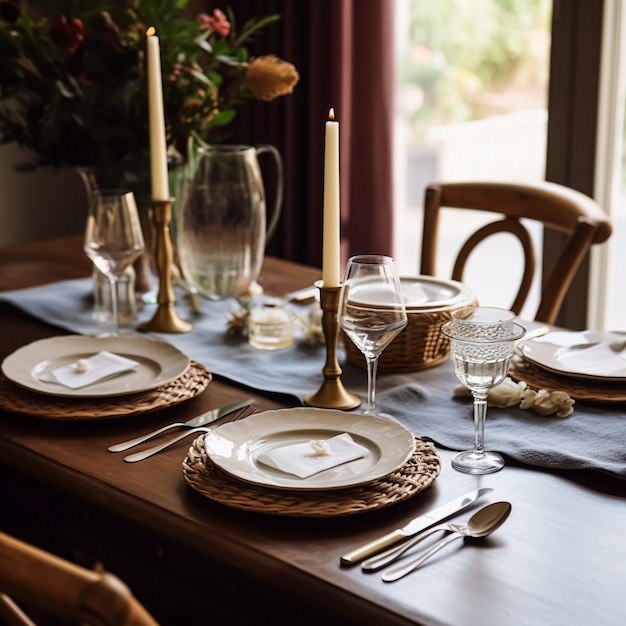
<point x="190" y="383"/>
<point x="414" y="476"/>
<point x="579" y="389"/>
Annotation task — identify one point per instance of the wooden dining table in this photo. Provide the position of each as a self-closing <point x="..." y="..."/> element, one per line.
<point x="560" y="558"/>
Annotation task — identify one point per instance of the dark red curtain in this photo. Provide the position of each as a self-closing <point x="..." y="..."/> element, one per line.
<point x="343" y="50"/>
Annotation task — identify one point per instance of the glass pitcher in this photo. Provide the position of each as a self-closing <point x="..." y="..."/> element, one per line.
<point x="222" y="227"/>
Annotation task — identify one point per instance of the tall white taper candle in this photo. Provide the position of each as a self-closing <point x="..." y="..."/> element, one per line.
<point x="158" y="148"/>
<point x="331" y="243"/>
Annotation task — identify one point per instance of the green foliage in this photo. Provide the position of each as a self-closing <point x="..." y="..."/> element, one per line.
<point x="459" y="50"/>
<point x="73" y="82"/>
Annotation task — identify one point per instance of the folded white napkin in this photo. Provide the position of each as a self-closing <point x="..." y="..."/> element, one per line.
<point x="414" y="294"/>
<point x="88" y="371"/>
<point x="306" y="459"/>
<point x="599" y="360"/>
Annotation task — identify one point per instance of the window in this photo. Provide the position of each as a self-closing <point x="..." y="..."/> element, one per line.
<point x="472" y="104"/>
<point x="608" y="285"/>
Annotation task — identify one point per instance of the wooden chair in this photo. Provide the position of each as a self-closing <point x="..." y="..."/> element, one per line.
<point x="557" y="207"/>
<point x="54" y="588"/>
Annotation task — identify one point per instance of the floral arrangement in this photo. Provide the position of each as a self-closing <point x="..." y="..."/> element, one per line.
<point x="73" y="82"/>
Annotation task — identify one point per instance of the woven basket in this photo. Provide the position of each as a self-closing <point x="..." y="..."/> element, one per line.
<point x="420" y="345"/>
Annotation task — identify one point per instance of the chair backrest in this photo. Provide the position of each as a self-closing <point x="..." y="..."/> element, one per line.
<point x="33" y="580"/>
<point x="557" y="207"/>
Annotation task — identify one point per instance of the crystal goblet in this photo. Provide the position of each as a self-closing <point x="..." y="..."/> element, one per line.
<point x="482" y="341"/>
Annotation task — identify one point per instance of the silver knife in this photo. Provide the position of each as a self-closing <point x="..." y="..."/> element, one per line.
<point x="206" y="418"/>
<point x="415" y="526"/>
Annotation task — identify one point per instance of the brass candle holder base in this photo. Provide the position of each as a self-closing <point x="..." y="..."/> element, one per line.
<point x="165" y="319"/>
<point x="332" y="394"/>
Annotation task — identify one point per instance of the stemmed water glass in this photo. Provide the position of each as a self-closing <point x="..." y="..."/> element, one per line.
<point x="483" y="341"/>
<point x="371" y="310"/>
<point x="113" y="238"/>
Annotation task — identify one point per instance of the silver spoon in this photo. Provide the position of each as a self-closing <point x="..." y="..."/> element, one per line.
<point x="481" y="524"/>
<point x="393" y="554"/>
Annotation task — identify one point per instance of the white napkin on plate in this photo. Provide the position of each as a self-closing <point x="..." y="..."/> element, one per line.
<point x="598" y="360"/>
<point x="88" y="371"/>
<point x="309" y="458"/>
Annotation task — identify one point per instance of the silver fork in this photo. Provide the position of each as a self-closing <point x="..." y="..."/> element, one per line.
<point x="393" y="554"/>
<point x="144" y="454"/>
<point x="200" y="420"/>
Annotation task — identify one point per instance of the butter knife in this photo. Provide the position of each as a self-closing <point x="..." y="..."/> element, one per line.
<point x="201" y="420"/>
<point x="415" y="526"/>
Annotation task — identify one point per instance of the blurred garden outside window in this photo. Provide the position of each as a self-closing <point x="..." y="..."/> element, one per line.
<point x="472" y="103"/>
<point x="472" y="84"/>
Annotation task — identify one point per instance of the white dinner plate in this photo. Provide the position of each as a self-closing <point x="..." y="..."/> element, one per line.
<point x="419" y="293"/>
<point x="159" y="363"/>
<point x="583" y="354"/>
<point x="235" y="447"/>
<point x="426" y="292"/>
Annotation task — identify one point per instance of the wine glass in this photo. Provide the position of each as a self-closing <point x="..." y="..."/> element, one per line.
<point x="371" y="310"/>
<point x="113" y="238"/>
<point x="483" y="341"/>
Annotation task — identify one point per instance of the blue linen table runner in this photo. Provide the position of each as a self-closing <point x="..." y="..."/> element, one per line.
<point x="593" y="437"/>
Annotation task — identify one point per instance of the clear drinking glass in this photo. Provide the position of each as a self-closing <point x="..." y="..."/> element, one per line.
<point x="371" y="310"/>
<point x="483" y="341"/>
<point x="270" y="327"/>
<point x="113" y="238"/>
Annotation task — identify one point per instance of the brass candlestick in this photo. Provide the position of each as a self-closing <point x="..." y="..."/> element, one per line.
<point x="165" y="319"/>
<point x="332" y="394"/>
